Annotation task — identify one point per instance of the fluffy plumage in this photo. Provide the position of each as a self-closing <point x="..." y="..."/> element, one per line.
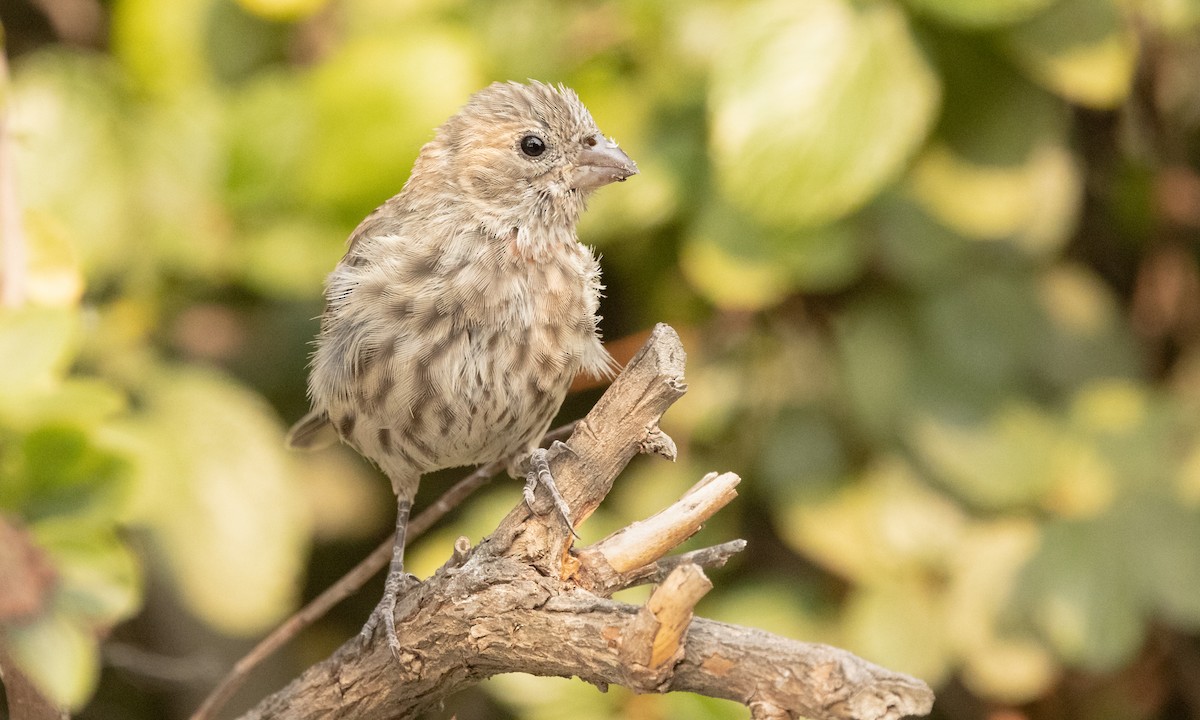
<point x="465" y="306"/>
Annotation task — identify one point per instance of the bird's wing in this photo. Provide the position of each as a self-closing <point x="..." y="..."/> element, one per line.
<point x="311" y="432"/>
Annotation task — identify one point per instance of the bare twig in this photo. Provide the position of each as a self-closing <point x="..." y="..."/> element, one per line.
<point x="710" y="557"/>
<point x="158" y="668"/>
<point x="605" y="563"/>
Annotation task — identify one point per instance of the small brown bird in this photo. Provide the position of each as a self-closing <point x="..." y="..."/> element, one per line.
<point x="465" y="305"/>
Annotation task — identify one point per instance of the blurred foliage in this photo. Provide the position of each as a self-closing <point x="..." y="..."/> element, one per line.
<point x="935" y="263"/>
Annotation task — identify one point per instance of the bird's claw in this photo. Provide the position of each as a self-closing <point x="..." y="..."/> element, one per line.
<point x="539" y="474"/>
<point x="385" y="612"/>
<point x="558" y="446"/>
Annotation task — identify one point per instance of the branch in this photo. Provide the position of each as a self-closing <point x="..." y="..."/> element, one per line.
<point x="343" y="588"/>
<point x="350" y="583"/>
<point x="657" y="571"/>
<point x="513" y="604"/>
<point x="626" y="556"/>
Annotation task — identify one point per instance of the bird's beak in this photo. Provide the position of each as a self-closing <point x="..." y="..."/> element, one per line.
<point x="601" y="164"/>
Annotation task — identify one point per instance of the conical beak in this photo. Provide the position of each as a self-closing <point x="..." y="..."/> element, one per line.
<point x="601" y="163"/>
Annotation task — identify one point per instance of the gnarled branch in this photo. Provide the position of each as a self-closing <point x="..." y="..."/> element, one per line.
<point x="523" y="601"/>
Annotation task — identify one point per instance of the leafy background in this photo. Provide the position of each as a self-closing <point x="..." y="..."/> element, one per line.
<point x="934" y="261"/>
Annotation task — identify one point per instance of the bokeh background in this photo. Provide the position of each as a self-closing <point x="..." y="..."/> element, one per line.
<point x="934" y="262"/>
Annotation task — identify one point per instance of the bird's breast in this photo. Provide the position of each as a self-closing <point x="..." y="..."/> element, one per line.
<point x="464" y="359"/>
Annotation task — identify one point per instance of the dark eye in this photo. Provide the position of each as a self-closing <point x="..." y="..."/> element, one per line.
<point x="532" y="145"/>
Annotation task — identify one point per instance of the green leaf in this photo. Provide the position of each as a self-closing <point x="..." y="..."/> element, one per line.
<point x="976" y="334"/>
<point x="100" y="580"/>
<point x="179" y="160"/>
<point x="371" y="114"/>
<point x="980" y="13"/>
<point x="998" y="662"/>
<point x="1084" y="50"/>
<point x="1000" y="168"/>
<point x="290" y="257"/>
<point x="1022" y="456"/>
<point x="548" y="698"/>
<point x="73" y="401"/>
<point x="900" y="625"/>
<point x="730" y="280"/>
<point x="59" y="656"/>
<point x="1085" y="338"/>
<point x="885" y="526"/>
<point x="821" y="260"/>
<point x="68" y="112"/>
<point x="1134" y="428"/>
<point x="59" y="470"/>
<point x="993" y="116"/>
<point x="806" y="148"/>
<point x="780" y="605"/>
<point x="1078" y="594"/>
<point x="37" y="345"/>
<point x="479" y="517"/>
<point x="1164" y="544"/>
<point x="82" y="400"/>
<point x="291" y="10"/>
<point x="1006" y="463"/>
<point x="1033" y="205"/>
<point x="163" y="45"/>
<point x="876" y="362"/>
<point x="54" y="275"/>
<point x="218" y="493"/>
<point x="915" y="249"/>
<point x="694" y="705"/>
<point x="737" y="262"/>
<point x="1177" y="18"/>
<point x="269" y="130"/>
<point x="1011" y="670"/>
<point x="803" y="456"/>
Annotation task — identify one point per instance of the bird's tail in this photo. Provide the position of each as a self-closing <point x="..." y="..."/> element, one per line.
<point x="311" y="432"/>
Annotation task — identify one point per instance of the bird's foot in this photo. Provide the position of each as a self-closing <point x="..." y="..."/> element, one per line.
<point x="539" y="474"/>
<point x="384" y="614"/>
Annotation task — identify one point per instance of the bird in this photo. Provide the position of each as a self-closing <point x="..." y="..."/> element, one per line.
<point x="465" y="305"/>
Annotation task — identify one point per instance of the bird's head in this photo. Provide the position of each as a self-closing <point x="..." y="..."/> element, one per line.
<point x="518" y="149"/>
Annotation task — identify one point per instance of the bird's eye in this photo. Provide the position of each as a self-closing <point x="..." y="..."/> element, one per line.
<point x="532" y="145"/>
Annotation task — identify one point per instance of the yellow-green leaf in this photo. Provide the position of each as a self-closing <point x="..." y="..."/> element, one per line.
<point x="283" y="9"/>
<point x="163" y="45"/>
<point x="1007" y="462"/>
<point x="980" y="13"/>
<point x="900" y="625"/>
<point x="886" y="525"/>
<point x="37" y="344"/>
<point x="1084" y="50"/>
<point x="218" y="493"/>
<point x="1033" y="204"/>
<point x="59" y="656"/>
<point x="100" y="580"/>
<point x="815" y="107"/>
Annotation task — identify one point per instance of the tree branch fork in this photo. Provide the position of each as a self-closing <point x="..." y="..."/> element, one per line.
<point x="524" y="600"/>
